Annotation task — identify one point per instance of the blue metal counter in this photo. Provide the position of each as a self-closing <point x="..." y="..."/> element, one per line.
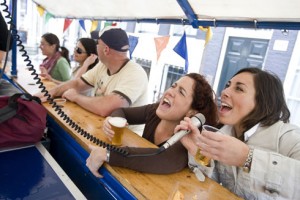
<point x="30" y="173"/>
<point x="72" y="158"/>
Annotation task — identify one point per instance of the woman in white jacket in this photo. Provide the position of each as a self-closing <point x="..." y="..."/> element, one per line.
<point x="258" y="154"/>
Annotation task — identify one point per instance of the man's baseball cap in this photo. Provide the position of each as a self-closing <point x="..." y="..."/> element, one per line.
<point x="115" y="38"/>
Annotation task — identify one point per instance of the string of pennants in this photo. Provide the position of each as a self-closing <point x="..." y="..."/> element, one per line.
<point x="67" y="22"/>
<point x="160" y="42"/>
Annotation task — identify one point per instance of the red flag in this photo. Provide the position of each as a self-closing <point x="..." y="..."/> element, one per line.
<point x="67" y="24"/>
<point x="160" y="44"/>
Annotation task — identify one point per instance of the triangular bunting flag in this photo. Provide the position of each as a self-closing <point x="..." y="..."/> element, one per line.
<point x="47" y="17"/>
<point x="94" y="25"/>
<point x="67" y="24"/>
<point x="181" y="49"/>
<point x="40" y="10"/>
<point x="133" y="41"/>
<point x="81" y="22"/>
<point x="209" y="33"/>
<point x="107" y="24"/>
<point x="160" y="44"/>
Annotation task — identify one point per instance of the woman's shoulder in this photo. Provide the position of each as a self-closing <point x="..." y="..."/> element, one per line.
<point x="63" y="61"/>
<point x="284" y="130"/>
<point x="285" y="127"/>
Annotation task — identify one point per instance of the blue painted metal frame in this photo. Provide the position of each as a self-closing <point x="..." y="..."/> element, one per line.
<point x="11" y="81"/>
<point x="72" y="158"/>
<point x="14" y="45"/>
<point x="193" y="20"/>
<point x="188" y="11"/>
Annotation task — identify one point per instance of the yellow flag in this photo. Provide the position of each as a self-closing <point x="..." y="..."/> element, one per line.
<point x="94" y="25"/>
<point x="209" y="33"/>
<point x="41" y="10"/>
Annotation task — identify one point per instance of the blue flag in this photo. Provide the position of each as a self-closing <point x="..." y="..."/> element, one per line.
<point x="81" y="22"/>
<point x="181" y="49"/>
<point x="132" y="44"/>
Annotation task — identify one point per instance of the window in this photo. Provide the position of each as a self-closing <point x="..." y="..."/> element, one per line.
<point x="171" y="74"/>
<point x="146" y="64"/>
<point x="292" y="85"/>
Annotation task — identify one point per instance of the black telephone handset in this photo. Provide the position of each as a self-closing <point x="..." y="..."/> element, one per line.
<point x="57" y="108"/>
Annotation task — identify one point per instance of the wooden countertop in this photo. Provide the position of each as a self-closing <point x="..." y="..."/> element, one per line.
<point x="141" y="185"/>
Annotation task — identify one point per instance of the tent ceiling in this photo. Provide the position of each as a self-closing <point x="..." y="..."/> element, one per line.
<point x="241" y="13"/>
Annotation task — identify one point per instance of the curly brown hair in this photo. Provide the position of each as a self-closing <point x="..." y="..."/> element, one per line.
<point x="204" y="98"/>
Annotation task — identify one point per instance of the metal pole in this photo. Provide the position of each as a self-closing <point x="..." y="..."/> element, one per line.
<point x="14" y="44"/>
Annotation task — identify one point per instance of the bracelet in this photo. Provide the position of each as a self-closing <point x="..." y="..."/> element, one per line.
<point x="107" y="155"/>
<point x="247" y="164"/>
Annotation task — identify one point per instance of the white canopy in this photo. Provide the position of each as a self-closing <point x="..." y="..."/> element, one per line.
<point x="236" y="13"/>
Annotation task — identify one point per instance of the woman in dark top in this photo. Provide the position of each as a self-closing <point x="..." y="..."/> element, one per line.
<point x="188" y="96"/>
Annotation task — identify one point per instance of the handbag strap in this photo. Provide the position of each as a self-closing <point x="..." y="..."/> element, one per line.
<point x="10" y="110"/>
<point x="6" y="113"/>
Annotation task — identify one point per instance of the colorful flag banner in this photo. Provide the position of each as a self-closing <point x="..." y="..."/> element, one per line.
<point x="67" y="24"/>
<point x="94" y="25"/>
<point x="160" y="44"/>
<point x="110" y="24"/>
<point x="40" y="10"/>
<point x="47" y="17"/>
<point x="133" y="41"/>
<point x="209" y="33"/>
<point x="81" y="22"/>
<point x="181" y="49"/>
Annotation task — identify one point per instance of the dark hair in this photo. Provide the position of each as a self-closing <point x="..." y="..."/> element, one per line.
<point x="90" y="47"/>
<point x="204" y="98"/>
<point x="52" y="39"/>
<point x="269" y="96"/>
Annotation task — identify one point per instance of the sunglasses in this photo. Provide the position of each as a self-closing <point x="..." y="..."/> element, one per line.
<point x="79" y="51"/>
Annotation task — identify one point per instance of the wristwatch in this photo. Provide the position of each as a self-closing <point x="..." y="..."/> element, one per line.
<point x="107" y="155"/>
<point x="247" y="164"/>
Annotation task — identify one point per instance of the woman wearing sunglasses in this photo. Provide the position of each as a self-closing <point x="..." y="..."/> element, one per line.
<point x="85" y="54"/>
<point x="56" y="65"/>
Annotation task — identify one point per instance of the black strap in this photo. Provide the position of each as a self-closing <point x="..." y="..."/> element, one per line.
<point x="6" y="113"/>
<point x="10" y="110"/>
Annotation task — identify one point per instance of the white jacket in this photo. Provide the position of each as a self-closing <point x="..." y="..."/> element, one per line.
<point x="275" y="168"/>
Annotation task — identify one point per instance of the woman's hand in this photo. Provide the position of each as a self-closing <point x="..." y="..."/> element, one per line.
<point x="224" y="148"/>
<point x="96" y="159"/>
<point x="45" y="74"/>
<point x="90" y="60"/>
<point x="189" y="140"/>
<point x="107" y="129"/>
